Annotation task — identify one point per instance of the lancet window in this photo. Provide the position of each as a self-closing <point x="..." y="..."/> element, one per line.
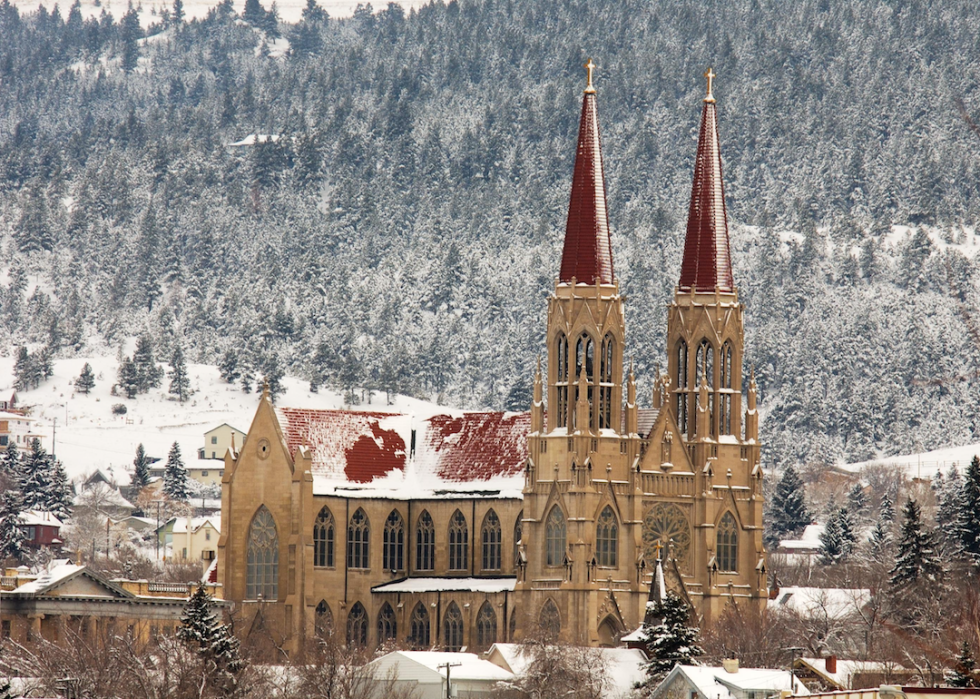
<point x="323" y="539"/>
<point x="584" y="359"/>
<point x="358" y="539"/>
<point x="323" y="623"/>
<point x="607" y="538"/>
<point x="486" y="626"/>
<point x="393" y="551"/>
<point x="555" y="537"/>
<point x="425" y="543"/>
<point x="550" y="620"/>
<point x="490" y="536"/>
<point x="726" y="549"/>
<point x="262" y="564"/>
<point x="517" y="537"/>
<point x="706" y="372"/>
<point x="681" y="383"/>
<point x="606" y="383"/>
<point x="725" y="411"/>
<point x="357" y="626"/>
<point x="419" y="637"/>
<point x="387" y="625"/>
<point x="452" y="628"/>
<point x="561" y="355"/>
<point x="458" y="542"/>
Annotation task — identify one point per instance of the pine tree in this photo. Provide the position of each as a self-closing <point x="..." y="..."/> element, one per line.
<point x="273" y="377"/>
<point x="229" y="366"/>
<point x="880" y="542"/>
<point x="968" y="524"/>
<point x="175" y="476"/>
<point x="141" y="470"/>
<point x="832" y="541"/>
<point x="178" y="13"/>
<point x="214" y="642"/>
<point x="128" y="378"/>
<point x="148" y="374"/>
<point x="10" y="463"/>
<point x="23" y="371"/>
<point x="180" y="382"/>
<point x="856" y="502"/>
<point x="61" y="495"/>
<point x="35" y="478"/>
<point x="254" y="13"/>
<point x="670" y="638"/>
<point x="886" y="510"/>
<point x="847" y="535"/>
<point x="11" y="534"/>
<point x="917" y="557"/>
<point x="86" y="380"/>
<point x="964" y="673"/>
<point x="789" y="511"/>
<point x="129" y="35"/>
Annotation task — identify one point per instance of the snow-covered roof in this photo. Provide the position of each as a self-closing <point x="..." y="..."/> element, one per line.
<point x="38" y="518"/>
<point x="714" y="682"/>
<point x="834" y="603"/>
<point x="467" y="667"/>
<point x="53" y="576"/>
<point x="180" y="523"/>
<point x="809" y="540"/>
<point x="252" y="139"/>
<point x="4" y="415"/>
<point x="625" y="665"/>
<point x="112" y="498"/>
<point x="369" y="454"/>
<point x="486" y="585"/>
<point x="224" y="424"/>
<point x="846" y="669"/>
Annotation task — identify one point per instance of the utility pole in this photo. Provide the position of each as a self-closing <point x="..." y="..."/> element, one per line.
<point x="795" y="651"/>
<point x="157" y="532"/>
<point x="54" y="432"/>
<point x="449" y="692"/>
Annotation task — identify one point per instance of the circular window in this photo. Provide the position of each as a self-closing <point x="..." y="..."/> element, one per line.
<point x="264" y="448"/>
<point x="666" y="524"/>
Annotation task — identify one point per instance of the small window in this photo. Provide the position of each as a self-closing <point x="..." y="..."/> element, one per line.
<point x="204" y="474"/>
<point x="214" y="440"/>
<point x="207" y="535"/>
<point x="544" y="445"/>
<point x="4" y="440"/>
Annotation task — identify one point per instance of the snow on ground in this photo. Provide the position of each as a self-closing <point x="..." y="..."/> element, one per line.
<point x="89" y="436"/>
<point x="150" y="10"/>
<point x="926" y="464"/>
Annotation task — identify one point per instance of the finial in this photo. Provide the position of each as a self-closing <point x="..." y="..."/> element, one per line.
<point x="539" y="365"/>
<point x="710" y="75"/>
<point x="265" y="388"/>
<point x="589" y="67"/>
<point x="631" y="368"/>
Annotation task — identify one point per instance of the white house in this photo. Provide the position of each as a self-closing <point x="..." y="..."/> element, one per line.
<point x="728" y="681"/>
<point x="470" y="677"/>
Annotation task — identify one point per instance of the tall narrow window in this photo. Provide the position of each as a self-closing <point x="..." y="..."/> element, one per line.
<point x="490" y="536"/>
<point x="555" y="537"/>
<point x="517" y="538"/>
<point x="486" y="626"/>
<point x="419" y="637"/>
<point x="725" y="407"/>
<point x="561" y="352"/>
<point x="607" y="538"/>
<point x="323" y="539"/>
<point x="681" y="387"/>
<point x="452" y="628"/>
<point x="358" y="537"/>
<point x="357" y="626"/>
<point x="425" y="543"/>
<point x="550" y="620"/>
<point x="606" y="383"/>
<point x="262" y="565"/>
<point x="458" y="542"/>
<point x="726" y="549"/>
<point x="706" y="372"/>
<point x="585" y="359"/>
<point x="387" y="626"/>
<point x="323" y="623"/>
<point x="394" y="542"/>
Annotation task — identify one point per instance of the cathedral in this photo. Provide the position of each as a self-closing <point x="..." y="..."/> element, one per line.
<point x="461" y="529"/>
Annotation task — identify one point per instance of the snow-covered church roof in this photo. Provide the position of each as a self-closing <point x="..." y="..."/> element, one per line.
<point x="374" y="454"/>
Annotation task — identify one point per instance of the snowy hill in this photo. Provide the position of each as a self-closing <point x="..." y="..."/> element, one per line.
<point x="89" y="436"/>
<point x="927" y="463"/>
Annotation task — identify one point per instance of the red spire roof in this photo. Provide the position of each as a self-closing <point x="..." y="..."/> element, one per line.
<point x="707" y="264"/>
<point x="588" y="251"/>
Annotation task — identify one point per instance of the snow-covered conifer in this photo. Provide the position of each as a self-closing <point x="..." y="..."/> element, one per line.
<point x="148" y="374"/>
<point x="86" y="380"/>
<point x="856" y="502"/>
<point x="180" y="382"/>
<point x="918" y="558"/>
<point x="886" y="510"/>
<point x="789" y="510"/>
<point x="968" y="524"/>
<point x="880" y="542"/>
<point x="128" y="378"/>
<point x="963" y="673"/>
<point x="141" y="470"/>
<point x="832" y="547"/>
<point x="61" y="495"/>
<point x="23" y="371"/>
<point x="670" y="638"/>
<point x="228" y="366"/>
<point x="175" y="476"/>
<point x="11" y="534"/>
<point x="201" y="629"/>
<point x="35" y="477"/>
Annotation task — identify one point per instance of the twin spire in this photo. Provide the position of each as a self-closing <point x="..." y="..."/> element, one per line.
<point x="587" y="256"/>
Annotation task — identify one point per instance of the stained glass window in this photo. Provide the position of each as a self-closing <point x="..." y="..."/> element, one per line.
<point x="550" y="620"/>
<point x="358" y="536"/>
<point x="425" y="543"/>
<point x="324" y="619"/>
<point x="419" y="638"/>
<point x="262" y="566"/>
<point x="458" y="542"/>
<point x="666" y="523"/>
<point x="607" y="538"/>
<point x="486" y="626"/>
<point x="726" y="549"/>
<point x="393" y="551"/>
<point x="387" y="626"/>
<point x="491" y="536"/>
<point x="452" y="628"/>
<point x="323" y="539"/>
<point x="555" y="537"/>
<point x="357" y="626"/>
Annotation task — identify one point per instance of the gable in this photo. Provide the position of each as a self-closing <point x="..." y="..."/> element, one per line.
<point x="81" y="586"/>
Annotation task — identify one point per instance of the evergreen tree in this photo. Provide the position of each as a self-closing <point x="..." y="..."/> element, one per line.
<point x="254" y="13"/>
<point x="178" y="13"/>
<point x="917" y="555"/>
<point x="968" y="524"/>
<point x="789" y="511"/>
<point x="86" y="380"/>
<point x="964" y="673"/>
<point x="180" y="382"/>
<point x="273" y="378"/>
<point x="148" y="374"/>
<point x="214" y="642"/>
<point x="10" y="464"/>
<point x="229" y="366"/>
<point x="128" y="378"/>
<point x="61" y="494"/>
<point x="847" y="535"/>
<point x="129" y="36"/>
<point x="23" y="370"/>
<point x="856" y="502"/>
<point x="36" y="478"/>
<point x="11" y="534"/>
<point x="832" y="546"/>
<point x="141" y="470"/>
<point x="175" y="476"/>
<point x="33" y="230"/>
<point x="670" y="638"/>
<point x="886" y="511"/>
<point x="880" y="542"/>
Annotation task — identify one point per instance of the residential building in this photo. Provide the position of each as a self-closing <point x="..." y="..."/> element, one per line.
<point x="728" y="681"/>
<point x="18" y="429"/>
<point x="219" y="440"/>
<point x="191" y="538"/>
<point x="41" y="529"/>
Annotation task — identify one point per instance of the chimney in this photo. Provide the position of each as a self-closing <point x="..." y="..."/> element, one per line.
<point x="831" y="663"/>
<point x="730" y="665"/>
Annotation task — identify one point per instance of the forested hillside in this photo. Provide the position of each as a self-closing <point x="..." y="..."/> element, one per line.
<point x="403" y="225"/>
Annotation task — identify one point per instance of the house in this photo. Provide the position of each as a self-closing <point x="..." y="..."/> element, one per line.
<point x="424" y="673"/>
<point x="18" y="429"/>
<point x="98" y="494"/>
<point x="126" y="529"/>
<point x="831" y="603"/>
<point x="902" y="692"/>
<point x="191" y="538"/>
<point x="219" y="440"/>
<point x="67" y="601"/>
<point x="8" y="399"/>
<point x="728" y="681"/>
<point x="834" y="674"/>
<point x="40" y="529"/>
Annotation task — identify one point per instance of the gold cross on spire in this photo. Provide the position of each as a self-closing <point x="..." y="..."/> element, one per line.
<point x="589" y="67"/>
<point x="710" y="75"/>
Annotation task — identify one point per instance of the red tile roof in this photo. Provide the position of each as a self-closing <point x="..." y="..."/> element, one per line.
<point x="707" y="261"/>
<point x="477" y="446"/>
<point x="588" y="250"/>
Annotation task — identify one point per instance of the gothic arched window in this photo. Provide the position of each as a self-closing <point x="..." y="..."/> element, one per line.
<point x="486" y="626"/>
<point x="387" y="626"/>
<point x="517" y="537"/>
<point x="584" y="359"/>
<point x="458" y="542"/>
<point x="555" y="537"/>
<point x="725" y="410"/>
<point x="393" y="551"/>
<point x="419" y="638"/>
<point x="262" y="565"/>
<point x="561" y="352"/>
<point x="358" y="538"/>
<point x="452" y="628"/>
<point x="323" y="539"/>
<point x="726" y="547"/>
<point x="706" y="371"/>
<point x="606" y="538"/>
<point x="606" y="382"/>
<point x="681" y="386"/>
<point x="323" y="622"/>
<point x="550" y="620"/>
<point x="357" y="626"/>
<point x="490" y="536"/>
<point x="425" y="543"/>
